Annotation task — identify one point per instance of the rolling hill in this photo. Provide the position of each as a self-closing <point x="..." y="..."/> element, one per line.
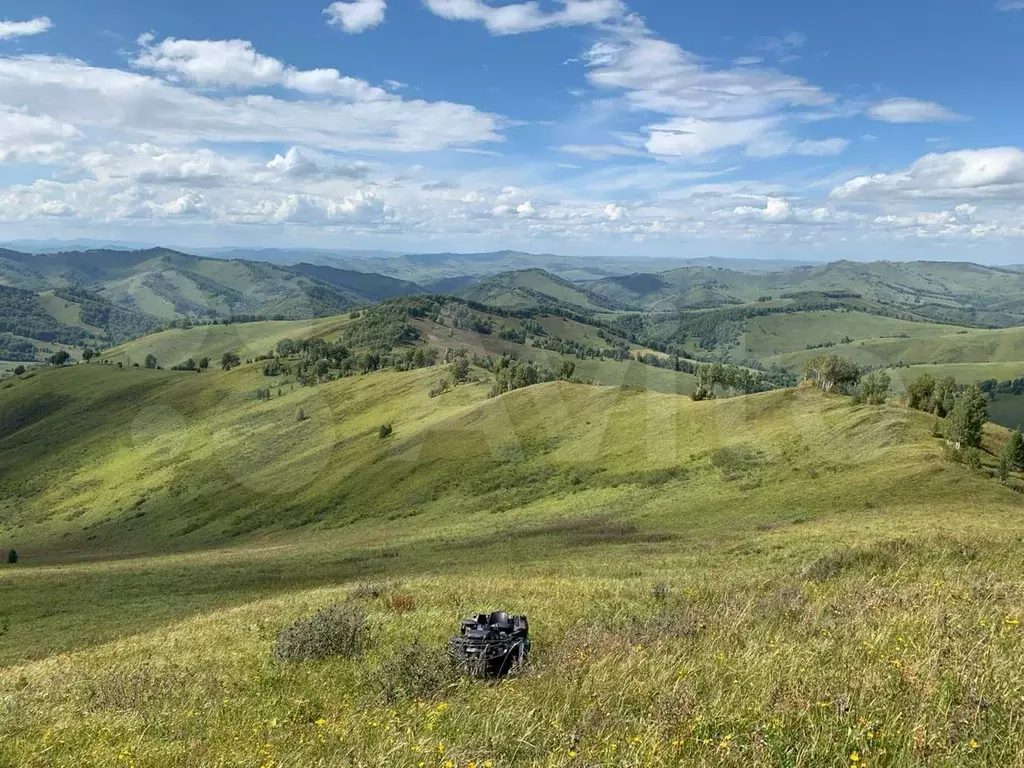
<point x="755" y="560"/>
<point x="533" y="288"/>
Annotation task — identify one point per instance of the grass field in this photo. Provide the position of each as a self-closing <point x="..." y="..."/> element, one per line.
<point x="1004" y="345"/>
<point x="778" y="579"/>
<point x="247" y="339"/>
<point x="766" y="337"/>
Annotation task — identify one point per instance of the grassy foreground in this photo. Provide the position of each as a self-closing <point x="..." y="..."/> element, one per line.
<point x="780" y="579"/>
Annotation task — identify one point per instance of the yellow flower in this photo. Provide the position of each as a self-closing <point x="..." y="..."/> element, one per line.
<point x="449" y="764"/>
<point x="488" y="764"/>
<point x="972" y="744"/>
<point x="854" y="757"/>
<point x="320" y="722"/>
<point x="572" y="753"/>
<point x="440" y="748"/>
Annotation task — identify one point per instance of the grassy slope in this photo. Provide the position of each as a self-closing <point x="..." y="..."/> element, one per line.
<point x="967" y="346"/>
<point x="832" y="586"/>
<point x="247" y="339"/>
<point x="606" y="372"/>
<point x="772" y="335"/>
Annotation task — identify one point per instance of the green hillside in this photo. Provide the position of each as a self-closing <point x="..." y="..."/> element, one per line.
<point x="249" y="340"/>
<point x="756" y="559"/>
<point x="964" y="293"/>
<point x="530" y="289"/>
<point x="1004" y="345"/>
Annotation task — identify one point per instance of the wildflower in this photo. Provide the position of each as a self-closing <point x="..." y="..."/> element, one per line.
<point x="1011" y="621"/>
<point x="572" y="753"/>
<point x="896" y="663"/>
<point x="973" y="744"/>
<point x="441" y="706"/>
<point x="488" y="764"/>
<point x="320" y="722"/>
<point x="449" y="764"/>
<point x="440" y="748"/>
<point x="854" y="757"/>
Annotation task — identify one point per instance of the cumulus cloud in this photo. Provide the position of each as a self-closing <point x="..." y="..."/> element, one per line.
<point x="995" y="172"/>
<point x="12" y="29"/>
<point x="299" y="163"/>
<point x="912" y="111"/>
<point x="127" y="105"/>
<point x="236" y="64"/>
<point x="356" y="15"/>
<point x="517" y="18"/>
<point x="27" y="137"/>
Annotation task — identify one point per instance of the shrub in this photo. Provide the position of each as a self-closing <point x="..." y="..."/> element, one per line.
<point x="385" y="430"/>
<point x="368" y="591"/>
<point x="417" y="672"/>
<point x="12" y="557"/>
<point x="302" y="415"/>
<point x="338" y="630"/>
<point x="19" y="370"/>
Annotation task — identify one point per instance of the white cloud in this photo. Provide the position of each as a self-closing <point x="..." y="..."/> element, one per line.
<point x="12" y="29"/>
<point x="691" y="137"/>
<point x="299" y="163"/>
<point x="517" y="18"/>
<point x="236" y="64"/>
<point x="614" y="212"/>
<point x="1010" y="5"/>
<point x="26" y="137"/>
<point x="977" y="173"/>
<point x="128" y="106"/>
<point x="356" y="15"/>
<point x="912" y="111"/>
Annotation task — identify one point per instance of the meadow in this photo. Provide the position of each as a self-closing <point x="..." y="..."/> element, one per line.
<point x="779" y="579"/>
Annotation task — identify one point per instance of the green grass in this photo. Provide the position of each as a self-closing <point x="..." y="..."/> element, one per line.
<point x="772" y="335"/>
<point x="247" y="339"/>
<point x="831" y="583"/>
<point x="1005" y="345"/>
<point x="1007" y="410"/>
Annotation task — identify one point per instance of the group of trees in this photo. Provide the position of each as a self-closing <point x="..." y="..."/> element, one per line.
<point x="731" y="378"/>
<point x="874" y="388"/>
<point x="926" y="394"/>
<point x="831" y="373"/>
<point x="992" y="387"/>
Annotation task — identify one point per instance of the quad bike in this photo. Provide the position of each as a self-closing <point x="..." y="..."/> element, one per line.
<point x="491" y="645"/>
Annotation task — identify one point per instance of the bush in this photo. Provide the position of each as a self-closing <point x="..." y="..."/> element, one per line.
<point x="385" y="430"/>
<point x="417" y="672"/>
<point x="19" y="370"/>
<point x="12" y="557"/>
<point x="338" y="630"/>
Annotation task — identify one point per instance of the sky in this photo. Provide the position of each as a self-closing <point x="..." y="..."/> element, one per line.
<point x="801" y="129"/>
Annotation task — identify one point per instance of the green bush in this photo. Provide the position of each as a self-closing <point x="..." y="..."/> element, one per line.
<point x="417" y="672"/>
<point x="12" y="557"/>
<point x="338" y="630"/>
<point x="385" y="430"/>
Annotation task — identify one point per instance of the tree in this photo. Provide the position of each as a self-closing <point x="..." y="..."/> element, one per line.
<point x="945" y="397"/>
<point x="920" y="392"/>
<point x="459" y="369"/>
<point x="19" y="370"/>
<point x="969" y="414"/>
<point x="59" y="358"/>
<point x="151" y="361"/>
<point x="831" y="371"/>
<point x="88" y="354"/>
<point x="874" y="388"/>
<point x="12" y="556"/>
<point x="1013" y="450"/>
<point x="230" y="360"/>
<point x="204" y="363"/>
<point x="566" y="370"/>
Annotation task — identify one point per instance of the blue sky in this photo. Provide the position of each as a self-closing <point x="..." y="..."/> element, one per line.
<point x="801" y="129"/>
